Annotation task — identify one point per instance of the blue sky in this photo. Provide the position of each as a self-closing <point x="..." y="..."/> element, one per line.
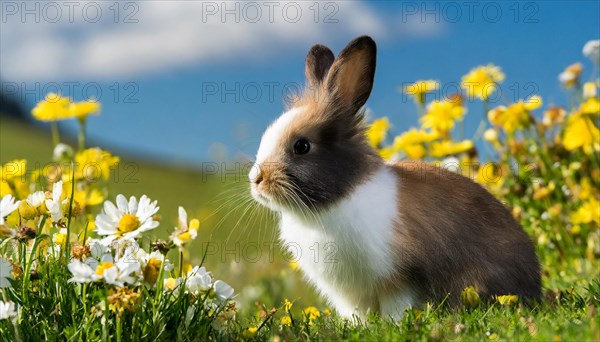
<point x="177" y="61"/>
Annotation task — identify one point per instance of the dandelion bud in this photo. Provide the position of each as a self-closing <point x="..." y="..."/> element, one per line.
<point x="34" y="275"/>
<point x="17" y="270"/>
<point x="80" y="252"/>
<point x="75" y="210"/>
<point x="589" y="90"/>
<point x="25" y="234"/>
<point x="160" y="246"/>
<point x="62" y="152"/>
<point x="26" y="211"/>
<point x="470" y="297"/>
<point x="151" y="270"/>
<point x="490" y="135"/>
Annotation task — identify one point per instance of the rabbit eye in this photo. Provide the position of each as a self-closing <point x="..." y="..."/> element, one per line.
<point x="301" y="146"/>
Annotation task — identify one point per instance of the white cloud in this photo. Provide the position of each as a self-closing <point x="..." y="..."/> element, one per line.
<point x="169" y="34"/>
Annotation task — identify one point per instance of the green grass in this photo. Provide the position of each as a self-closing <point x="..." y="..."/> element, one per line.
<point x="568" y="311"/>
<point x="231" y="232"/>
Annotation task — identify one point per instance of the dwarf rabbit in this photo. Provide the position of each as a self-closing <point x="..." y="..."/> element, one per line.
<point x="375" y="236"/>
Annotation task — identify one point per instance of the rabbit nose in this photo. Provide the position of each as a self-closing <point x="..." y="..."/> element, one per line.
<point x="255" y="175"/>
<point x="258" y="179"/>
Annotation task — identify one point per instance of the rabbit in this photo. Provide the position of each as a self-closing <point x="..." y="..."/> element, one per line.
<point x="377" y="236"/>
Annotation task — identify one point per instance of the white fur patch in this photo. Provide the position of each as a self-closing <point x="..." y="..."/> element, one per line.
<point x="271" y="138"/>
<point x="393" y="306"/>
<point x="346" y="251"/>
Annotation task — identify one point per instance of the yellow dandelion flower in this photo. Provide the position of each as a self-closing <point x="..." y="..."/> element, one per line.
<point x="420" y="88"/>
<point x="447" y="147"/>
<point x="589" y="212"/>
<point x="312" y="313"/>
<point x="576" y="229"/>
<point x="13" y="169"/>
<point x="411" y="142"/>
<point x="252" y="330"/>
<point x="326" y="312"/>
<point x="88" y="197"/>
<point x="53" y="108"/>
<point x="93" y="164"/>
<point x="541" y="192"/>
<point x="81" y="110"/>
<point x="5" y="189"/>
<point x="491" y="176"/>
<point x="286" y="320"/>
<point x="287" y="305"/>
<point x="590" y="106"/>
<point x="378" y="131"/>
<point x="581" y="132"/>
<point x="481" y="82"/>
<point x="386" y="153"/>
<point x="441" y="115"/>
<point x="532" y="103"/>
<point x="508" y="300"/>
<point x="585" y="189"/>
<point x="60" y="238"/>
<point x="516" y="116"/>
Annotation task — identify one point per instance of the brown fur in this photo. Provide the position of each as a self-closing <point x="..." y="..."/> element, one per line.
<point x="452" y="233"/>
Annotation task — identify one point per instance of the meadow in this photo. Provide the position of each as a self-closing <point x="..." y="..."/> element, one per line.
<point x="79" y="261"/>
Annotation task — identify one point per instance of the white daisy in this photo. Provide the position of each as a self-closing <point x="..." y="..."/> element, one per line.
<point x="591" y="50"/>
<point x="124" y="271"/>
<point x="567" y="76"/>
<point x="82" y="272"/>
<point x="7" y="310"/>
<point x="223" y="291"/>
<point x="36" y="199"/>
<point x="198" y="280"/>
<point x="5" y="269"/>
<point x="7" y="206"/>
<point x="143" y="258"/>
<point x="54" y="204"/>
<point x="185" y="232"/>
<point x="98" y="253"/>
<point x="126" y="220"/>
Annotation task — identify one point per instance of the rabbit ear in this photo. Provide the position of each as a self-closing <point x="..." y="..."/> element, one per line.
<point x="318" y="62"/>
<point x="350" y="78"/>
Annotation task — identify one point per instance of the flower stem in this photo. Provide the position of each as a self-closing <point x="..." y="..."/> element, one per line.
<point x="180" y="263"/>
<point x="55" y="133"/>
<point x="67" y="242"/>
<point x="105" y="323"/>
<point x="119" y="327"/>
<point x="81" y="134"/>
